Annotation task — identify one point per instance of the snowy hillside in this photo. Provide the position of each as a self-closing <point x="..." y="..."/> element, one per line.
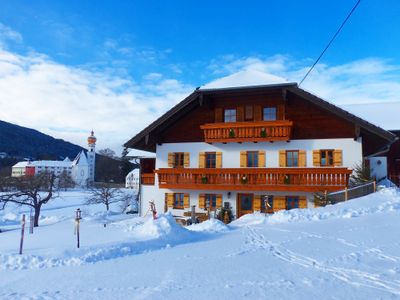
<point x="347" y="251"/>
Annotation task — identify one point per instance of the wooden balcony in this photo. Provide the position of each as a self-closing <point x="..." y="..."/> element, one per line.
<point x="256" y="179"/>
<point x="148" y="178"/>
<point x="260" y="131"/>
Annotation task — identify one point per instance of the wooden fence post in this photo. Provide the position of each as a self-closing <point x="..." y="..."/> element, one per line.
<point x="193" y="214"/>
<point x="374" y="186"/>
<point x="21" y="244"/>
<point x="77" y="221"/>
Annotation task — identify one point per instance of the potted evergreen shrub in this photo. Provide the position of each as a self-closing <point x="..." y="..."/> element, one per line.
<point x="263" y="133"/>
<point x="231" y="133"/>
<point x="204" y="179"/>
<point x="244" y="179"/>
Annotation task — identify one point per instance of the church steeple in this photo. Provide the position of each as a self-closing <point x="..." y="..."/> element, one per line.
<point x="91" y="155"/>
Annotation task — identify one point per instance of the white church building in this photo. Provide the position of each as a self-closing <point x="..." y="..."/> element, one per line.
<point x="81" y="169"/>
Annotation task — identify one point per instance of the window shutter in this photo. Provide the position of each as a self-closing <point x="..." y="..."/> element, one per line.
<point x="218" y="160"/>
<point x="316" y="157"/>
<point x="279" y="203"/>
<point x="282" y="158"/>
<point x="171" y="159"/>
<point x="186" y="200"/>
<point x="202" y="201"/>
<point x="337" y="158"/>
<point x="261" y="159"/>
<point x="240" y="114"/>
<point x="202" y="159"/>
<point x="170" y="200"/>
<point x="243" y="159"/>
<point x="257" y="202"/>
<point x="302" y="202"/>
<point x="219" y="201"/>
<point x="218" y="115"/>
<point x="257" y="113"/>
<point x="186" y="161"/>
<point x="302" y="158"/>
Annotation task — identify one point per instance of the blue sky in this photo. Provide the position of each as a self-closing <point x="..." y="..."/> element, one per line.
<point x="147" y="55"/>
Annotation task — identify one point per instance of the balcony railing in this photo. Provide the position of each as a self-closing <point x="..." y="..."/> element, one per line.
<point x="260" y="131"/>
<point x="148" y="178"/>
<point x="260" y="179"/>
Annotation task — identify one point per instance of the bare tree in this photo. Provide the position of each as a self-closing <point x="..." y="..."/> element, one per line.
<point x="107" y="152"/>
<point x="106" y="193"/>
<point x="65" y="181"/>
<point x="29" y="191"/>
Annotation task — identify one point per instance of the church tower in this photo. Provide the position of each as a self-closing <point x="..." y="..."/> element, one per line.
<point x="91" y="155"/>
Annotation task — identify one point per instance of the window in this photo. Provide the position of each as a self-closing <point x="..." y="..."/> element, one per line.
<point x="292" y="202"/>
<point x="269" y="113"/>
<point x="211" y="158"/>
<point x="179" y="159"/>
<point x="326" y="157"/>
<point x="230" y="115"/>
<point x="267" y="203"/>
<point x="211" y="201"/>
<point x="249" y="113"/>
<point x="292" y="158"/>
<point x="178" y="201"/>
<point x="252" y="159"/>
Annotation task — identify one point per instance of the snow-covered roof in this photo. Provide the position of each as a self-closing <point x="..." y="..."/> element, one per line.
<point x="51" y="163"/>
<point x="21" y="164"/>
<point x="81" y="159"/>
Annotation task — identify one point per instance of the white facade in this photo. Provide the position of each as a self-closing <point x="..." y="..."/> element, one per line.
<point x="132" y="179"/>
<point x="351" y="155"/>
<point x="19" y="169"/>
<point x="378" y="166"/>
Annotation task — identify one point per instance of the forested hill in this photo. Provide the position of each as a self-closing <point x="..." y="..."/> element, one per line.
<point x="24" y="142"/>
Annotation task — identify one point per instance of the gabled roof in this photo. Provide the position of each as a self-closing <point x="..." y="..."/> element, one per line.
<point x="291" y="87"/>
<point x="80" y="159"/>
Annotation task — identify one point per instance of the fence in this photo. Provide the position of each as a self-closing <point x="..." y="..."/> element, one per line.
<point x="346" y="194"/>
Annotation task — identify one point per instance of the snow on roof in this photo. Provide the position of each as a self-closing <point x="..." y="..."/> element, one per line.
<point x="80" y="159"/>
<point x="245" y="78"/>
<point x="21" y="164"/>
<point x="51" y="163"/>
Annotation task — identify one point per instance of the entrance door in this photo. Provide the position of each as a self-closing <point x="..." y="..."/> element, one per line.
<point x="244" y="204"/>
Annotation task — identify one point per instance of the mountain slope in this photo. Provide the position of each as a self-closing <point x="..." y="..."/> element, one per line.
<point x="25" y="142"/>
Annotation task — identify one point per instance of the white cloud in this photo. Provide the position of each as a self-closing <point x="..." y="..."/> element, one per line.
<point x="68" y="102"/>
<point x="7" y="34"/>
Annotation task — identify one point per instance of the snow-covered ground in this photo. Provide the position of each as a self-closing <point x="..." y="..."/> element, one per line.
<point x="347" y="251"/>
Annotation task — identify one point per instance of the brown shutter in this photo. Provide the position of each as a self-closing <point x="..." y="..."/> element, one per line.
<point x="302" y="158"/>
<point x="240" y="114"/>
<point x="186" y="200"/>
<point x="302" y="202"/>
<point x="170" y="199"/>
<point x="261" y="159"/>
<point x="337" y="158"/>
<point x="316" y="157"/>
<point x="243" y="159"/>
<point x="218" y="160"/>
<point x="257" y="113"/>
<point x="171" y="159"/>
<point x="202" y="201"/>
<point x="202" y="159"/>
<point x="282" y="158"/>
<point x="186" y="160"/>
<point x="218" y="115"/>
<point x="219" y="200"/>
<point x="280" y="112"/>
<point x="279" y="203"/>
<point x="257" y="202"/>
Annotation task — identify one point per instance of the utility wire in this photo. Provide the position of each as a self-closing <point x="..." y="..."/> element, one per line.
<point x="330" y="42"/>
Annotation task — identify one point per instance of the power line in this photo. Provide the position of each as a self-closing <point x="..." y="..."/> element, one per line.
<point x="330" y="42"/>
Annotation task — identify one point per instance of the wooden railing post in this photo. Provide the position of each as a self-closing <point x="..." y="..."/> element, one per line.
<point x="374" y="186"/>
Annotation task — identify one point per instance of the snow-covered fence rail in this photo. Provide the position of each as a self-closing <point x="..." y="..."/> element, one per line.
<point x="346" y="194"/>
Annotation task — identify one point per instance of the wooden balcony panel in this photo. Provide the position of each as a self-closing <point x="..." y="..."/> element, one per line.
<point x="260" y="131"/>
<point x="257" y="179"/>
<point x="148" y="178"/>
